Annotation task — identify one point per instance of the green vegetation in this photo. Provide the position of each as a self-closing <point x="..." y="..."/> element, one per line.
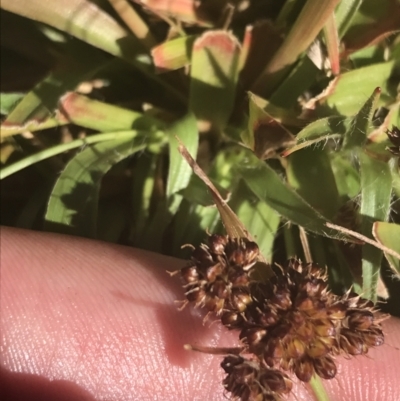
<point x="285" y="106"/>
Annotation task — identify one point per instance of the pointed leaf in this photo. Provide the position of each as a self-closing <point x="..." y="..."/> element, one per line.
<point x="388" y="234"/>
<point x="349" y="89"/>
<point x="268" y="186"/>
<point x="73" y="202"/>
<point x="58" y="149"/>
<point x="214" y="75"/>
<point x="357" y="134"/>
<point x="376" y="188"/>
<point x="179" y="171"/>
<point x="321" y="130"/>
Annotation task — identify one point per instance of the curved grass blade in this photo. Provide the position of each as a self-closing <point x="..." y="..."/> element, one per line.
<point x="58" y="149"/>
<point x="268" y="186"/>
<point x="333" y="127"/>
<point x="376" y="188"/>
<point x="72" y="208"/>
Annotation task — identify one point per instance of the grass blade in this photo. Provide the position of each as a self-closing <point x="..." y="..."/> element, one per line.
<point x="72" y="208"/>
<point x="376" y="188"/>
<point x="214" y="75"/>
<point x="268" y="186"/>
<point x="388" y="234"/>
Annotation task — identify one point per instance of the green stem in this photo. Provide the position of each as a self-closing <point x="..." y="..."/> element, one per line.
<point x="319" y="389"/>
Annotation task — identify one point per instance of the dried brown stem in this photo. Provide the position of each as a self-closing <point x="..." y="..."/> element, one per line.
<point x="363" y="238"/>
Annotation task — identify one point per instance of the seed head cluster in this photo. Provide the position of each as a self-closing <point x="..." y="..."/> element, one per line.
<point x="291" y="323"/>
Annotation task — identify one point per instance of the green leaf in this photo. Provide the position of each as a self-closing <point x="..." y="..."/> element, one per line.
<point x="58" y="149"/>
<point x="309" y="23"/>
<point x="321" y="130"/>
<point x="179" y="171"/>
<point x="258" y="217"/>
<point x="74" y="200"/>
<point x="173" y="54"/>
<point x="264" y="134"/>
<point x="32" y="126"/>
<point x="268" y="186"/>
<point x="345" y="12"/>
<point x="9" y="100"/>
<point x="82" y="19"/>
<point x="346" y="176"/>
<point x="143" y="185"/>
<point x="298" y="80"/>
<point x="376" y="188"/>
<point x="101" y="116"/>
<point x="372" y="24"/>
<point x="309" y="172"/>
<point x="214" y="75"/>
<point x="359" y="128"/>
<point x="81" y="62"/>
<point x="388" y="234"/>
<point x="349" y="89"/>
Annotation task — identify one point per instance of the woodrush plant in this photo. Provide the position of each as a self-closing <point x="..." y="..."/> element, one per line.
<point x="289" y="107"/>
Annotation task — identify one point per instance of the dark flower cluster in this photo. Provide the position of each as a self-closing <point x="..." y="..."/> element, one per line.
<point x="291" y="323"/>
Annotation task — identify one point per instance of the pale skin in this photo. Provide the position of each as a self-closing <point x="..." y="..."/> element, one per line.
<point x="86" y="320"/>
